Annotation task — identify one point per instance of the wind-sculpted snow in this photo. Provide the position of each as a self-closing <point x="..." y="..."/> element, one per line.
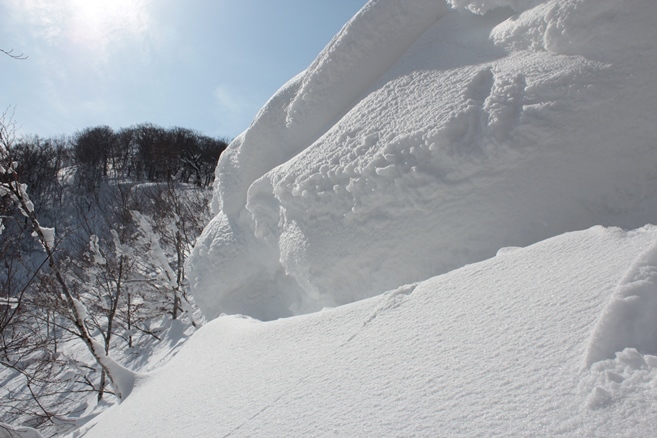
<point x="483" y="6"/>
<point x="630" y="318"/>
<point x="491" y="349"/>
<point x="495" y="124"/>
<point x="424" y="140"/>
<point x="305" y="107"/>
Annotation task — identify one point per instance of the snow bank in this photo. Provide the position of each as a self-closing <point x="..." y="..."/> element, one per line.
<point x="630" y="318"/>
<point x="624" y="384"/>
<point x="491" y="349"/>
<point x="305" y="107"/>
<point x="483" y="6"/>
<point x="424" y="138"/>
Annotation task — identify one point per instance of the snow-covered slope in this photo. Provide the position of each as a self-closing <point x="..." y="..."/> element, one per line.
<point x="424" y="138"/>
<point x="427" y="137"/>
<point x="497" y="348"/>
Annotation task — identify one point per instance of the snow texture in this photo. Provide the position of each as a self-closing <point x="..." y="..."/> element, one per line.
<point x="630" y="319"/>
<point x="483" y="6"/>
<point x="444" y="152"/>
<point x="123" y="379"/>
<point x="426" y="136"/>
<point x="8" y="431"/>
<point x="491" y="349"/>
<point x="49" y="236"/>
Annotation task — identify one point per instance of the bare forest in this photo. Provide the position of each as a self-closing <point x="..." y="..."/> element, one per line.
<point x="94" y="233"/>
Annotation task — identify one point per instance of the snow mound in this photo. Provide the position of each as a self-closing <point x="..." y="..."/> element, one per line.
<point x="491" y="349"/>
<point x="630" y="319"/>
<point x="483" y="6"/>
<point x="305" y="107"/>
<point x="626" y="383"/>
<point x="426" y="137"/>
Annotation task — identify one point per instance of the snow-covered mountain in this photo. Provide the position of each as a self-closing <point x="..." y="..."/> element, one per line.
<point x="427" y="136"/>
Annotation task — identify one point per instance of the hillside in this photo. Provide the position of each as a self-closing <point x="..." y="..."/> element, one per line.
<point x="398" y="227"/>
<point x="497" y="348"/>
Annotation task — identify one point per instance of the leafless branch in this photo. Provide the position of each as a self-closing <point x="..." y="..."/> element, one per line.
<point x="10" y="53"/>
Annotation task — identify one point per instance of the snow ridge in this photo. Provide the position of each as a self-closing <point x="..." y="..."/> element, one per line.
<point x="630" y="318"/>
<point x="468" y="134"/>
<point x="292" y="120"/>
<point x="310" y="102"/>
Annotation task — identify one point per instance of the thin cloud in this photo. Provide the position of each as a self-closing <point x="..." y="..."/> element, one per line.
<point x="232" y="108"/>
<point x="228" y="102"/>
<point x="42" y="19"/>
<point x="100" y="26"/>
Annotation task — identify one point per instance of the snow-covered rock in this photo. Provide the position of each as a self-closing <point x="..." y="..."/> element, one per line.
<point x="426" y="136"/>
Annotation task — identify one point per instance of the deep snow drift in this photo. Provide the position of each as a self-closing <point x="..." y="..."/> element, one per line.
<point x="496" y="348"/>
<point x="424" y="138"/>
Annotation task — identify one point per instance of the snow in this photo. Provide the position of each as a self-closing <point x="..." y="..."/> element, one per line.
<point x="8" y="431"/>
<point x="398" y="228"/>
<point x="48" y="235"/>
<point x="483" y="6"/>
<point x="630" y="318"/>
<point x="152" y="242"/>
<point x="123" y="379"/>
<point x="495" y="348"/>
<point x="305" y="107"/>
<point x="485" y="132"/>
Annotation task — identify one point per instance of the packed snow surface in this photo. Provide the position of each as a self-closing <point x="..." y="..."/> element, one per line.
<point x="426" y="136"/>
<point x="497" y="348"/>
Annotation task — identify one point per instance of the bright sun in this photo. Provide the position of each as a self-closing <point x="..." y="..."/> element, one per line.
<point x="99" y="22"/>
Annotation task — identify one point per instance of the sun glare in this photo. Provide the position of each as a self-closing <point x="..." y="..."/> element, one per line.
<point x="97" y="23"/>
<point x="99" y="27"/>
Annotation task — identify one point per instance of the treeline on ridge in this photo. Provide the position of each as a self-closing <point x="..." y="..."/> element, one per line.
<point x="144" y="152"/>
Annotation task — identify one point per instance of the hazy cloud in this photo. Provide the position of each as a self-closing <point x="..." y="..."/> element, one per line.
<point x="233" y="107"/>
<point x="94" y="25"/>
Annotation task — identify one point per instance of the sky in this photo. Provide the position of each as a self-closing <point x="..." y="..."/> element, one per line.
<point x="207" y="65"/>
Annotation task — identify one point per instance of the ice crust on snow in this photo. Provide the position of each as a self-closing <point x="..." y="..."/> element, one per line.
<point x="491" y="349"/>
<point x="426" y="136"/>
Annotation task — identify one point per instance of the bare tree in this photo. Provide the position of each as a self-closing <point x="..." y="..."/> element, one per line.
<point x="120" y="378"/>
<point x="108" y="276"/>
<point x="168" y="229"/>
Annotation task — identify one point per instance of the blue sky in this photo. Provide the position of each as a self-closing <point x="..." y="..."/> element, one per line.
<point x="202" y="64"/>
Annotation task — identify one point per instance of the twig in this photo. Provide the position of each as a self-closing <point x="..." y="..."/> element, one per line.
<point x="10" y="53"/>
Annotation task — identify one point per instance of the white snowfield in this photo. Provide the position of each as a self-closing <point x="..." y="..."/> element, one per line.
<point x="497" y="348"/>
<point x="430" y="150"/>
